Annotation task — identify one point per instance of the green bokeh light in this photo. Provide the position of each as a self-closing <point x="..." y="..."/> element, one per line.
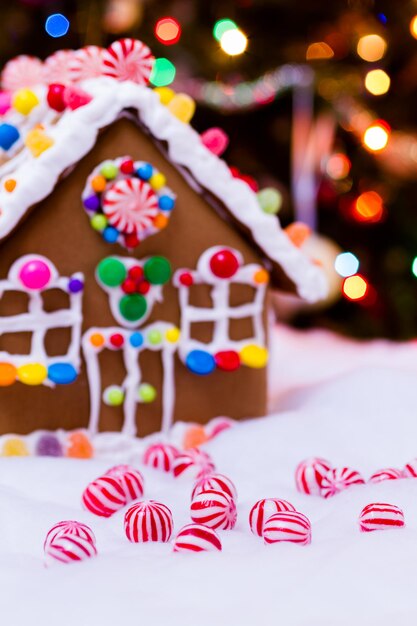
<point x="222" y="26"/>
<point x="163" y="72"/>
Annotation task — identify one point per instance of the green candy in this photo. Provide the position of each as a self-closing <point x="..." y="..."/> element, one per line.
<point x="99" y="222"/>
<point x="146" y="392"/>
<point x="109" y="170"/>
<point x="111" y="272"/>
<point x="154" y="337"/>
<point x="157" y="270"/>
<point x="270" y="200"/>
<point x="133" y="307"/>
<point x="114" y="396"/>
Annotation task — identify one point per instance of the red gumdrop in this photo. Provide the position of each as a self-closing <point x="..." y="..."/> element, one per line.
<point x="228" y="360"/>
<point x="127" y="167"/>
<point x="135" y="272"/>
<point x="117" y="340"/>
<point x="143" y="287"/>
<point x="131" y="241"/>
<point x="186" y="279"/>
<point x="55" y="97"/>
<point x="215" y="140"/>
<point x="224" y="263"/>
<point x="75" y="98"/>
<point x="129" y="285"/>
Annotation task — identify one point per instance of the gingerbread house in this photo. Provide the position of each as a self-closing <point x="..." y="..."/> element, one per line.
<point x="134" y="265"/>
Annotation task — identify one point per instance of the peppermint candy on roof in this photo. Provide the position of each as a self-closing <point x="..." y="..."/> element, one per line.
<point x="58" y="67"/>
<point x="21" y="72"/>
<point x="128" y="59"/>
<point x="87" y="63"/>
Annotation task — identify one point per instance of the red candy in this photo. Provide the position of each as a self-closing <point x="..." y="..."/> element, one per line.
<point x="128" y="59"/>
<point x="217" y="425"/>
<point x="263" y="510"/>
<point x="224" y="263"/>
<point x="192" y="464"/>
<point x="197" y="538"/>
<point x="127" y="167"/>
<point x="309" y="475"/>
<point x="228" y="360"/>
<point x="214" y="509"/>
<point x="380" y="516"/>
<point x="68" y="549"/>
<point x="22" y="72"/>
<point x="70" y="527"/>
<point x="410" y="470"/>
<point x="288" y="526"/>
<point x="218" y="482"/>
<point x="186" y="279"/>
<point x="104" y="496"/>
<point x="74" y="97"/>
<point x="130" y="479"/>
<point x="160" y="456"/>
<point x="148" y="521"/>
<point x="117" y="340"/>
<point x="55" y="97"/>
<point x="391" y="473"/>
<point x="337" y="480"/>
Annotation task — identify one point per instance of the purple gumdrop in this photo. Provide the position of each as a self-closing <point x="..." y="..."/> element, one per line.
<point x="48" y="445"/>
<point x="75" y="285"/>
<point x="92" y="203"/>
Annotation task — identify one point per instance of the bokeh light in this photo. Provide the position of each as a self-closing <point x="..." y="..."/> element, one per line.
<point x="163" y="72"/>
<point x="222" y="26"/>
<point x="377" y="82"/>
<point x="168" y="31"/>
<point x="369" y="207"/>
<point x="355" y="287"/>
<point x="57" y="25"/>
<point x="338" y="166"/>
<point x="371" y="47"/>
<point x="319" y="50"/>
<point x="376" y="136"/>
<point x="233" y="42"/>
<point x="346" y="264"/>
<point x="414" y="266"/>
<point x="413" y="27"/>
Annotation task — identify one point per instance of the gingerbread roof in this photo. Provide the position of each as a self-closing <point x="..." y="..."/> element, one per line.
<point x="74" y="133"/>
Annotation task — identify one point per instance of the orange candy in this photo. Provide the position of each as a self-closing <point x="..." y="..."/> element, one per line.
<point x="98" y="183"/>
<point x="10" y="185"/>
<point x="79" y="446"/>
<point x="195" y="436"/>
<point x="8" y="374"/>
<point x="97" y="340"/>
<point x="261" y="276"/>
<point x="160" y="221"/>
<point x="298" y="233"/>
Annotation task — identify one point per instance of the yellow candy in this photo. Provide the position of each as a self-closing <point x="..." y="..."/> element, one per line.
<point x="32" y="373"/>
<point x="157" y="181"/>
<point x="254" y="356"/>
<point x="37" y="141"/>
<point x="182" y="106"/>
<point x="172" y="335"/>
<point x="165" y="94"/>
<point x="14" y="447"/>
<point x="261" y="276"/>
<point x="24" y="101"/>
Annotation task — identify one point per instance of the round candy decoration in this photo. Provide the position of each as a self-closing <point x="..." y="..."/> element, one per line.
<point x="128" y="59"/>
<point x="197" y="538"/>
<point x="70" y="527"/>
<point x="22" y="72"/>
<point x="288" y="526"/>
<point x="381" y="516"/>
<point x="35" y="274"/>
<point x="8" y="136"/>
<point x="58" y="67"/>
<point x="224" y="263"/>
<point x="200" y="362"/>
<point x="161" y="456"/>
<point x="87" y="63"/>
<point x="391" y="473"/>
<point x="218" y="482"/>
<point x="148" y="521"/>
<point x="309" y="475"/>
<point x="337" y="480"/>
<point x="48" y="445"/>
<point x="130" y="479"/>
<point x="193" y="464"/>
<point x="104" y="496"/>
<point x="263" y="510"/>
<point x="68" y="548"/>
<point x="214" y="509"/>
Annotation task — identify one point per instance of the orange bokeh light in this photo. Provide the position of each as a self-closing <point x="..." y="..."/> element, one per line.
<point x="338" y="166"/>
<point x="167" y="31"/>
<point x="368" y="207"/>
<point x="355" y="287"/>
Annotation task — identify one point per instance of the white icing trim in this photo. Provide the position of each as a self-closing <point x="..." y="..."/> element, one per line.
<point x="75" y="134"/>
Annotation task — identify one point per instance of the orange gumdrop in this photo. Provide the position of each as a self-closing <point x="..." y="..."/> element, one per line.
<point x="160" y="221"/>
<point x="98" y="183"/>
<point x="298" y="233"/>
<point x="79" y="446"/>
<point x="97" y="340"/>
<point x="8" y="374"/>
<point x="195" y="436"/>
<point x="10" y="185"/>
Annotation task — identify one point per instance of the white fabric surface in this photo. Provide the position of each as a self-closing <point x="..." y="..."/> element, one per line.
<point x="352" y="403"/>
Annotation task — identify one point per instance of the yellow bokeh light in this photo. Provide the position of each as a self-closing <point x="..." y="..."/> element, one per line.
<point x="377" y="82"/>
<point x="376" y="137"/>
<point x="355" y="287"/>
<point x="371" y="47"/>
<point x="413" y="27"/>
<point x="233" y="42"/>
<point x="319" y="50"/>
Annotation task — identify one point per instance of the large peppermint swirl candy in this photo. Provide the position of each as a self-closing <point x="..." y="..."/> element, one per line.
<point x="148" y="521"/>
<point x="218" y="482"/>
<point x="337" y="480"/>
<point x="69" y="549"/>
<point x="263" y="510"/>
<point x="128" y="59"/>
<point x="381" y="516"/>
<point x="390" y="473"/>
<point x="194" y="464"/>
<point x="58" y="67"/>
<point x="104" y="496"/>
<point x="289" y="526"/>
<point x="130" y="479"/>
<point x="130" y="205"/>
<point x="410" y="470"/>
<point x="160" y="456"/>
<point x="22" y="71"/>
<point x="214" y="509"/>
<point x="87" y="63"/>
<point x="309" y="474"/>
<point x="70" y="527"/>
<point x="197" y="538"/>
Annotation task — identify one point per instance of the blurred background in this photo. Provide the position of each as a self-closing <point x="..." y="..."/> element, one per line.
<point x="318" y="99"/>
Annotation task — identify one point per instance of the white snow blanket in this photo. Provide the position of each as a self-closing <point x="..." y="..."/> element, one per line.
<point x="352" y="403"/>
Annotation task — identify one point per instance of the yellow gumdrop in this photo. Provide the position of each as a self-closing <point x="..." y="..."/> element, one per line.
<point x="182" y="106"/>
<point x="14" y="447"/>
<point x="165" y="94"/>
<point x="157" y="181"/>
<point x="254" y="356"/>
<point x="172" y="335"/>
<point x="24" y="101"/>
<point x="37" y="141"/>
<point x="32" y="373"/>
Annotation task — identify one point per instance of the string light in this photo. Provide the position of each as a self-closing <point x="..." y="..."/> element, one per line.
<point x="371" y="47"/>
<point x="346" y="264"/>
<point x="168" y="31"/>
<point x="413" y="27"/>
<point x="338" y="166"/>
<point x="355" y="287"/>
<point x="369" y="207"/>
<point x="377" y="82"/>
<point x="233" y="42"/>
<point x="57" y="25"/>
<point x="376" y="136"/>
<point x="222" y="26"/>
<point x="163" y="73"/>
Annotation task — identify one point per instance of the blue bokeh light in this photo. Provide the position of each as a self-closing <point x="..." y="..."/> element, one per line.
<point x="57" y="25"/>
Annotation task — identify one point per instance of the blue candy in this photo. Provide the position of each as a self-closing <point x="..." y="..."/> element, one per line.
<point x="166" y="203"/>
<point x="62" y="373"/>
<point x="8" y="136"/>
<point x="200" y="362"/>
<point x="110" y="234"/>
<point x="136" y="340"/>
<point x="145" y="171"/>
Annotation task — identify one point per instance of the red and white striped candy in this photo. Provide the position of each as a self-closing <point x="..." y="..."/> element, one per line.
<point x="390" y="473"/>
<point x="70" y="527"/>
<point x="68" y="549"/>
<point x="263" y="510"/>
<point x="160" y="456"/>
<point x="410" y="470"/>
<point x="218" y="425"/>
<point x="58" y="67"/>
<point x="128" y="59"/>
<point x="218" y="482"/>
<point x="192" y="464"/>
<point x="87" y="63"/>
<point x="130" y="205"/>
<point x="197" y="538"/>
<point x="22" y="71"/>
<point x="309" y="475"/>
<point x="337" y="480"/>
<point x="214" y="509"/>
<point x="130" y="479"/>
<point x="148" y="521"/>
<point x="104" y="496"/>
<point x="380" y="516"/>
<point x="289" y="526"/>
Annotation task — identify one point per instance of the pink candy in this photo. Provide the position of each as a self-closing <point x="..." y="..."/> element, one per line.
<point x="214" y="509"/>
<point x="380" y="516"/>
<point x="104" y="496"/>
<point x="410" y="470"/>
<point x="215" y="140"/>
<point x="263" y="510"/>
<point x="69" y="527"/>
<point x="391" y="473"/>
<point x="130" y="479"/>
<point x="22" y="72"/>
<point x="197" y="538"/>
<point x="148" y="521"/>
<point x="128" y="59"/>
<point x="218" y="482"/>
<point x="194" y="463"/>
<point x="309" y="475"/>
<point x="69" y="548"/>
<point x="160" y="456"/>
<point x="74" y="97"/>
<point x="337" y="480"/>
<point x="87" y="63"/>
<point x="287" y="526"/>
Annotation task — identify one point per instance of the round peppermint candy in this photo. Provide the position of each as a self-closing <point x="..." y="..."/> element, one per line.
<point x="130" y="479"/>
<point x="337" y="480"/>
<point x="70" y="527"/>
<point x="130" y="205"/>
<point x="22" y="72"/>
<point x="87" y="63"/>
<point x="290" y="526"/>
<point x="160" y="456"/>
<point x="263" y="510"/>
<point x="214" y="509"/>
<point x="148" y="521"/>
<point x="381" y="516"/>
<point x="194" y="463"/>
<point x="104" y="496"/>
<point x="128" y="59"/>
<point x="197" y="538"/>
<point x="390" y="473"/>
<point x="218" y="482"/>
<point x="58" y="67"/>
<point x="309" y="475"/>
<point x="69" y="549"/>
